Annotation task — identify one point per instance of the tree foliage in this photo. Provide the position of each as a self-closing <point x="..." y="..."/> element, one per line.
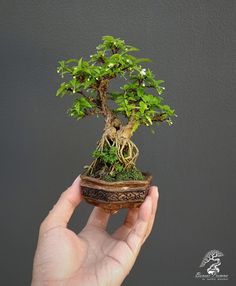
<point x="140" y="98"/>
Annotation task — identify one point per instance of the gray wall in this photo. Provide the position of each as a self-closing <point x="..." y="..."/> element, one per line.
<point x="192" y="44"/>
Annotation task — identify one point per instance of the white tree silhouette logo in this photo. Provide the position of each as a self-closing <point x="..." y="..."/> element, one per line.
<point x="212" y="255"/>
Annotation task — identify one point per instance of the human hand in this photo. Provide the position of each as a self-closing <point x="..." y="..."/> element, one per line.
<point x="93" y="257"/>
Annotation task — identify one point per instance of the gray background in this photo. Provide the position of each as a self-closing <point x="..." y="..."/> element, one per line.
<point x="192" y="44"/>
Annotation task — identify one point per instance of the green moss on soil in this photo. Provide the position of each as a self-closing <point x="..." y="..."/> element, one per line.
<point x="126" y="175"/>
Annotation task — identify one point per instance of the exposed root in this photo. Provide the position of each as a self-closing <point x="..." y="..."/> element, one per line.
<point x="127" y="152"/>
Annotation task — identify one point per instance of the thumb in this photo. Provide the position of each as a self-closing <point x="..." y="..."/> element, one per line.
<point x="64" y="208"/>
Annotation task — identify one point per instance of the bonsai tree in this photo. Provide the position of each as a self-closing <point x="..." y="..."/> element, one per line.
<point x="139" y="101"/>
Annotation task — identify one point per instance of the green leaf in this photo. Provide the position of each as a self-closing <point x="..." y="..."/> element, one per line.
<point x="131" y="49"/>
<point x="80" y="63"/>
<point x="135" y="126"/>
<point x="140" y="92"/>
<point x="62" y="89"/>
<point x="143" y="107"/>
<point x="72" y="61"/>
<point x="159" y="81"/>
<point x="108" y="38"/>
<point x="149" y="119"/>
<point x="166" y="108"/>
<point x="85" y="103"/>
<point x="141" y="60"/>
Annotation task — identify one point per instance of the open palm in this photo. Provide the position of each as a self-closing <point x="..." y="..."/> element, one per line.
<point x="93" y="257"/>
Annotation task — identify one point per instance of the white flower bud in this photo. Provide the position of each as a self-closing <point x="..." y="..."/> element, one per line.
<point x="143" y="72"/>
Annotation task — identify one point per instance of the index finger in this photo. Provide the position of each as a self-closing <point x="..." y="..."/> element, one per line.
<point x="64" y="208"/>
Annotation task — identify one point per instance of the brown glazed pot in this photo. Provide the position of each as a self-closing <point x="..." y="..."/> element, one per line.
<point x="112" y="196"/>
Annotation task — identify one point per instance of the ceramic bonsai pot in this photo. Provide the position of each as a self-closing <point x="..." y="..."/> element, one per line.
<point x="112" y="196"/>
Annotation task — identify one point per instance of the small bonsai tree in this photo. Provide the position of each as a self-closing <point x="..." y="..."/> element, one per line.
<point x="138" y="102"/>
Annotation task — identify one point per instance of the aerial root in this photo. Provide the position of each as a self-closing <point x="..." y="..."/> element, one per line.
<point x="127" y="152"/>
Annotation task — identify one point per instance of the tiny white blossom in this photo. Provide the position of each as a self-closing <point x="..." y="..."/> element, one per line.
<point x="90" y="56"/>
<point x="74" y="76"/>
<point x="143" y="72"/>
<point x="143" y="84"/>
<point x="111" y="65"/>
<point x="57" y="71"/>
<point x="73" y="91"/>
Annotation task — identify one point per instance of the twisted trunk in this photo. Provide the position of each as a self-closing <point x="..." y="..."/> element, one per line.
<point x="115" y="135"/>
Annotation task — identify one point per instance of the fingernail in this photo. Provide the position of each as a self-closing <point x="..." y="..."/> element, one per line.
<point x="156" y="190"/>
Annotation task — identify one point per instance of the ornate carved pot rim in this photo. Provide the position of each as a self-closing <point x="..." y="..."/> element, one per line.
<point x="114" y="186"/>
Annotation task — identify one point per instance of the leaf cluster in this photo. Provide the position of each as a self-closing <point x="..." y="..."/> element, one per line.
<point x="107" y="155"/>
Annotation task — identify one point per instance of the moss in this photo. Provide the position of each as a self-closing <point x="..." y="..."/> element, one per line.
<point x="133" y="174"/>
<point x="126" y="175"/>
<point x="109" y="178"/>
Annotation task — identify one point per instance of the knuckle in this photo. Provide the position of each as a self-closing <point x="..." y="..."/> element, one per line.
<point x="43" y="226"/>
<point x="63" y="194"/>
